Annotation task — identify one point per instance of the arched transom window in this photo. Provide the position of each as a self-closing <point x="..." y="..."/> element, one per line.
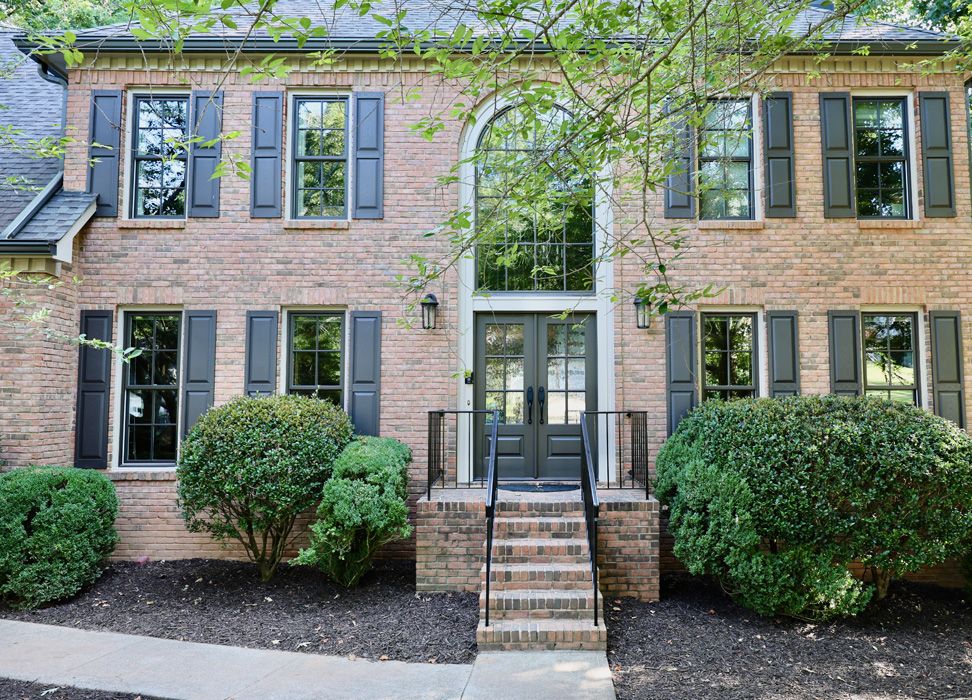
<point x="534" y="208"/>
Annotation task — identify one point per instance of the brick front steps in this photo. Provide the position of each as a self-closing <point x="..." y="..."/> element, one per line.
<point x="541" y="592"/>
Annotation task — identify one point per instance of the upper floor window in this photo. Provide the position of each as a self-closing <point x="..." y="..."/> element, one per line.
<point x="729" y="356"/>
<point x="881" y="158"/>
<point x="726" y="161"/>
<point x="317" y="355"/>
<point x="889" y="356"/>
<point x="161" y="127"/>
<point x="545" y="244"/>
<point x="320" y="158"/>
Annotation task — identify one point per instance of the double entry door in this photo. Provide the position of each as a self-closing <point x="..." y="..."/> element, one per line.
<point x="540" y="373"/>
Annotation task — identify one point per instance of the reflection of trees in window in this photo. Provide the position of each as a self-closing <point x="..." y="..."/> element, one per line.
<point x="159" y="156"/>
<point x="889" y="357"/>
<point x="880" y="157"/>
<point x="534" y="209"/>
<point x="726" y="161"/>
<point x="316" y="348"/>
<point x="152" y="388"/>
<point x="320" y="158"/>
<point x="730" y="356"/>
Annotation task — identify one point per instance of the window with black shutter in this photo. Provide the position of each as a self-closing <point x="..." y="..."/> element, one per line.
<point x="881" y="158"/>
<point x="316" y="348"/>
<point x="160" y="131"/>
<point x="890" y="366"/>
<point x="320" y="158"/>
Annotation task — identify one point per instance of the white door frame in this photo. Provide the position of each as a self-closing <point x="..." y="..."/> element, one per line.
<point x="470" y="304"/>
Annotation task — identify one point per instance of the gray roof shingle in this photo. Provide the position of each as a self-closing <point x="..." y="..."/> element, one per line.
<point x="31" y="108"/>
<point x="57" y="217"/>
<point x="346" y="28"/>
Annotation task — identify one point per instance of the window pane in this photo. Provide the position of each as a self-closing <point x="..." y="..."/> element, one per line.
<point x="140" y="443"/>
<point x="494" y="338"/>
<point x="310" y="202"/>
<point x="310" y="175"/>
<point x="716" y="333"/>
<point x="305" y="333"/>
<point x="557" y="339"/>
<point x="148" y="173"/>
<point x="173" y="203"/>
<point x="556" y="374"/>
<point x="866" y="142"/>
<point x="514" y="407"/>
<point x="514" y="374"/>
<point x="576" y="374"/>
<point x="891" y="143"/>
<point x="576" y="403"/>
<point x="329" y="333"/>
<point x="304" y="369"/>
<point x="309" y="114"/>
<point x="165" y="443"/>
<point x="514" y="339"/>
<point x="713" y="205"/>
<point x="329" y="368"/>
<point x="137" y="411"/>
<point x="717" y="368"/>
<point x="892" y="114"/>
<point x="140" y="369"/>
<point x="495" y="374"/>
<point x="737" y="204"/>
<point x="865" y="113"/>
<point x="166" y="368"/>
<point x="741" y="369"/>
<point x="165" y="408"/>
<point x="868" y="175"/>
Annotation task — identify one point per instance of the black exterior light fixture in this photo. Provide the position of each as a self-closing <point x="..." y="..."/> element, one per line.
<point x="430" y="306"/>
<point x="642" y="312"/>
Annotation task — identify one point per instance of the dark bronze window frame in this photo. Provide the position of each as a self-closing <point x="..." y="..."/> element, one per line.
<point x="748" y="159"/>
<point x="904" y="159"/>
<point x="126" y="386"/>
<point x="753" y="351"/>
<point x="136" y="158"/>
<point x="296" y="159"/>
<point x="915" y="353"/>
<point x="292" y="317"/>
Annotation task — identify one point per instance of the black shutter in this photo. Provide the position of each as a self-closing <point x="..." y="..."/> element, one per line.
<point x="845" y="352"/>
<point x="681" y="390"/>
<point x="778" y="138"/>
<point x="936" y="154"/>
<point x="947" y="375"/>
<point x="94" y="379"/>
<point x="679" y="190"/>
<point x="199" y="368"/>
<point x="838" y="154"/>
<point x="104" y="148"/>
<point x="261" y="353"/>
<point x="207" y="121"/>
<point x="365" y="371"/>
<point x="369" y="155"/>
<point x="267" y="165"/>
<point x="784" y="353"/>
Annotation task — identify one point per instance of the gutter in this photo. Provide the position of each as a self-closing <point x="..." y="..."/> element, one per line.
<point x="29" y="248"/>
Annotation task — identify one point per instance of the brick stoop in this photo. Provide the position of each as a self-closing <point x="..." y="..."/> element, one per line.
<point x="541" y="593"/>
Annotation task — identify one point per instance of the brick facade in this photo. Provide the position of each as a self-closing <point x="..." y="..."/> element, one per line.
<point x="234" y="263"/>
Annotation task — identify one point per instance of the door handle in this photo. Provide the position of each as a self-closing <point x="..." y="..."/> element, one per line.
<point x="541" y="397"/>
<point x="529" y="405"/>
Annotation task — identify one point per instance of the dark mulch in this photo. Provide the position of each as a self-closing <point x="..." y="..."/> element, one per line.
<point x="21" y="690"/>
<point x="220" y="602"/>
<point x="696" y="643"/>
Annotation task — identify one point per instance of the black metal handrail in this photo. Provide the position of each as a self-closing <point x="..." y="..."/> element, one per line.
<point x="630" y="448"/>
<point x="491" y="485"/>
<point x="443" y="461"/>
<point x="592" y="504"/>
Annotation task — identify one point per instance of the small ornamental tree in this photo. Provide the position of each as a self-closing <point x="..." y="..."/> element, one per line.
<point x="250" y="467"/>
<point x="57" y="529"/>
<point x="778" y="498"/>
<point x="365" y="506"/>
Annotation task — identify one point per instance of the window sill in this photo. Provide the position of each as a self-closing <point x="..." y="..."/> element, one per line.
<point x="889" y="223"/>
<point x="140" y="472"/>
<point x="152" y="223"/>
<point x="316" y="225"/>
<point x="732" y="224"/>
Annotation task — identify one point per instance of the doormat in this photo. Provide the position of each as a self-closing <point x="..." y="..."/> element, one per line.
<point x="539" y="488"/>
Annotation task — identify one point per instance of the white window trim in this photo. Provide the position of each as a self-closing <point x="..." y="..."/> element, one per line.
<point x="292" y="96"/>
<point x="469" y="304"/>
<point x="284" y="364"/>
<point x="921" y="347"/>
<point x="118" y="399"/>
<point x="128" y="145"/>
<point x="912" y="143"/>
<point x="762" y="337"/>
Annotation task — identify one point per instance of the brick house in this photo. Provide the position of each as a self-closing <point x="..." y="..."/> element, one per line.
<point x="840" y="225"/>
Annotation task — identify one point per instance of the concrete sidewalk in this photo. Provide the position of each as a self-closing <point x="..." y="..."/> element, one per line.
<point x="189" y="671"/>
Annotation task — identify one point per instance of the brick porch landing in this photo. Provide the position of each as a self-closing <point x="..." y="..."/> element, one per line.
<point x="541" y="592"/>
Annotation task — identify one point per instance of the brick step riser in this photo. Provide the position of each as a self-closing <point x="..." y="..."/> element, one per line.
<point x="496" y="614"/>
<point x="533" y="511"/>
<point x="512" y="528"/>
<point x="488" y="638"/>
<point x="517" y="580"/>
<point x="567" y="549"/>
<point x="541" y="600"/>
<point x="541" y="646"/>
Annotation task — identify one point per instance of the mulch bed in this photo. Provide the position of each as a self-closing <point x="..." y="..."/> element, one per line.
<point x="21" y="690"/>
<point x="696" y="643"/>
<point x="219" y="602"/>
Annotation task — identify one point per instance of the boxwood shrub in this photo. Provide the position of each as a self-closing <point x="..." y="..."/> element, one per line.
<point x="248" y="468"/>
<point x="777" y="498"/>
<point x="57" y="529"/>
<point x="364" y="506"/>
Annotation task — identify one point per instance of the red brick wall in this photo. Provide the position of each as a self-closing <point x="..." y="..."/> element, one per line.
<point x="627" y="546"/>
<point x="233" y="264"/>
<point x="451" y="539"/>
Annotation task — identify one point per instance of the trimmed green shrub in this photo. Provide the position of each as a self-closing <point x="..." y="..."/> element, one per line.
<point x="778" y="497"/>
<point x="364" y="506"/>
<point x="250" y="467"/>
<point x="57" y="529"/>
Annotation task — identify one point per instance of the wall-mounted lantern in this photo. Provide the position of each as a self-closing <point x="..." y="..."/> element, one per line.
<point x="642" y="312"/>
<point x="430" y="307"/>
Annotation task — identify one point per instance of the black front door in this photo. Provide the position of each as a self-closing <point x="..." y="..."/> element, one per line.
<point x="540" y="373"/>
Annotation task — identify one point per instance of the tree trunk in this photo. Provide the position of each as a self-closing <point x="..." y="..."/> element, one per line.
<point x="881" y="579"/>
